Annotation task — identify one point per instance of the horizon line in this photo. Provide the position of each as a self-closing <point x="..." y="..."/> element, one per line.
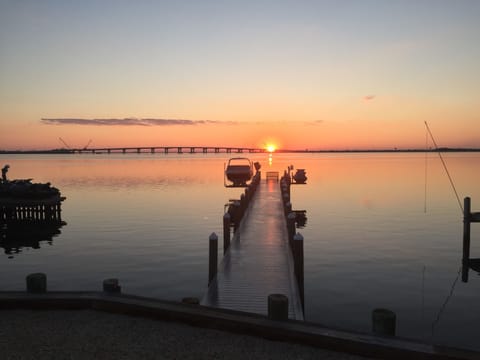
<point x="353" y="150"/>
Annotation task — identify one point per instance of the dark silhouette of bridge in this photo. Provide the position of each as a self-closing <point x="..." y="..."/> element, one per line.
<point x="168" y="149"/>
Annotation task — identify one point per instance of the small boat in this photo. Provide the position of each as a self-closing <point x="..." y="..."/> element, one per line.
<point x="238" y="171"/>
<point x="300" y="176"/>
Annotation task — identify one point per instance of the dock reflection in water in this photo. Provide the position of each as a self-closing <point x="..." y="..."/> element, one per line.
<point x="14" y="237"/>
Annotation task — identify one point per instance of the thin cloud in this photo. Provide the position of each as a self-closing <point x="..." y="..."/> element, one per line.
<point x="314" y="122"/>
<point x="369" y="97"/>
<point x="131" y="122"/>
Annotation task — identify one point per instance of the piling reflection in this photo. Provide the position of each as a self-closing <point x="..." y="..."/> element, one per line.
<point x="16" y="236"/>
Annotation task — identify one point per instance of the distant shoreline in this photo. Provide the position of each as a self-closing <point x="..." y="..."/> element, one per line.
<point x="442" y="149"/>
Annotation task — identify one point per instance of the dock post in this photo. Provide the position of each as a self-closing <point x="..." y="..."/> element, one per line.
<point x="291" y="227"/>
<point x="243" y="205"/>
<point x="288" y="208"/>
<point x="277" y="307"/>
<point x="236" y="216"/>
<point x="111" y="286"/>
<point x="298" y="264"/>
<point x="191" y="300"/>
<point x="247" y="194"/>
<point x="226" y="232"/>
<point x="36" y="283"/>
<point x="466" y="238"/>
<point x="212" y="257"/>
<point x="383" y="322"/>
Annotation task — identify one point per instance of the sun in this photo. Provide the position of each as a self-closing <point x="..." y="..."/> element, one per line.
<point x="271" y="148"/>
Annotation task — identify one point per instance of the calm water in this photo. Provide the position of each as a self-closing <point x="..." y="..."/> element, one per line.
<point x="369" y="242"/>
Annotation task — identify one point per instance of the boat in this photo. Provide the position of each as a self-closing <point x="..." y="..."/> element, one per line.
<point x="239" y="170"/>
<point x="300" y="176"/>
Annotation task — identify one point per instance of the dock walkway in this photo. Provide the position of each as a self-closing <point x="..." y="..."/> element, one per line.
<point x="259" y="260"/>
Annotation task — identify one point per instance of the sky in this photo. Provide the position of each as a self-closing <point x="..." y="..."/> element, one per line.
<point x="324" y="74"/>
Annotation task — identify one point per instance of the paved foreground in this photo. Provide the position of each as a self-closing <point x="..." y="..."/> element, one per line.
<point x="89" y="334"/>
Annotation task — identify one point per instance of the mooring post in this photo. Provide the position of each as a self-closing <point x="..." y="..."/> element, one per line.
<point x="291" y="227"/>
<point x="252" y="186"/>
<point x="298" y="264"/>
<point x="237" y="217"/>
<point x="111" y="286"/>
<point x="212" y="256"/>
<point x="36" y="283"/>
<point x="243" y="205"/>
<point x="247" y="194"/>
<point x="277" y="307"/>
<point x="191" y="300"/>
<point x="383" y="322"/>
<point x="467" y="217"/>
<point x="288" y="208"/>
<point x="226" y="232"/>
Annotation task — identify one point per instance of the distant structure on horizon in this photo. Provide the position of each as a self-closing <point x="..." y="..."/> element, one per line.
<point x="218" y="149"/>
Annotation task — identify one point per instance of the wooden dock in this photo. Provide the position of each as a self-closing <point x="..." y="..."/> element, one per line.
<point x="31" y="210"/>
<point x="259" y="261"/>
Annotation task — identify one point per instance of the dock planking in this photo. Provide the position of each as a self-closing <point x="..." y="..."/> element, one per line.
<point x="259" y="260"/>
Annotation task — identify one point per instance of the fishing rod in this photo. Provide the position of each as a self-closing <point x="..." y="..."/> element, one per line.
<point x="444" y="166"/>
<point x="436" y="321"/>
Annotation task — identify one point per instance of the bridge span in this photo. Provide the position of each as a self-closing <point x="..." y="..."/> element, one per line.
<point x="169" y="149"/>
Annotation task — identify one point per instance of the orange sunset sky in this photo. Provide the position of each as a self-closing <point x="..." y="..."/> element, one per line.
<point x="346" y="74"/>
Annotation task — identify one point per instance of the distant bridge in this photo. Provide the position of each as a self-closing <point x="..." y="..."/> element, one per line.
<point x="168" y="149"/>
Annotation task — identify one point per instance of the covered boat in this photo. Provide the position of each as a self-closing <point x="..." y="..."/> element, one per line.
<point x="300" y="176"/>
<point x="239" y="170"/>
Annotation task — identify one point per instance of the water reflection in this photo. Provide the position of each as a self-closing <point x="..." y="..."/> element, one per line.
<point x="365" y="212"/>
<point x="121" y="171"/>
<point x="14" y="237"/>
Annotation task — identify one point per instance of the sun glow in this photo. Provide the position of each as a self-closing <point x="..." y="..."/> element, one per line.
<point x="271" y="148"/>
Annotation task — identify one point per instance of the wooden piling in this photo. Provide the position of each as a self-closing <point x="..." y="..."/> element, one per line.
<point x="298" y="264"/>
<point x="286" y="187"/>
<point x="235" y="214"/>
<point x="383" y="322"/>
<point x="111" y="286"/>
<point x="467" y="217"/>
<point x="277" y="307"/>
<point x="226" y="232"/>
<point x="36" y="283"/>
<point x="243" y="205"/>
<point x="191" y="300"/>
<point x="291" y="227"/>
<point x="212" y="257"/>
<point x="288" y="208"/>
